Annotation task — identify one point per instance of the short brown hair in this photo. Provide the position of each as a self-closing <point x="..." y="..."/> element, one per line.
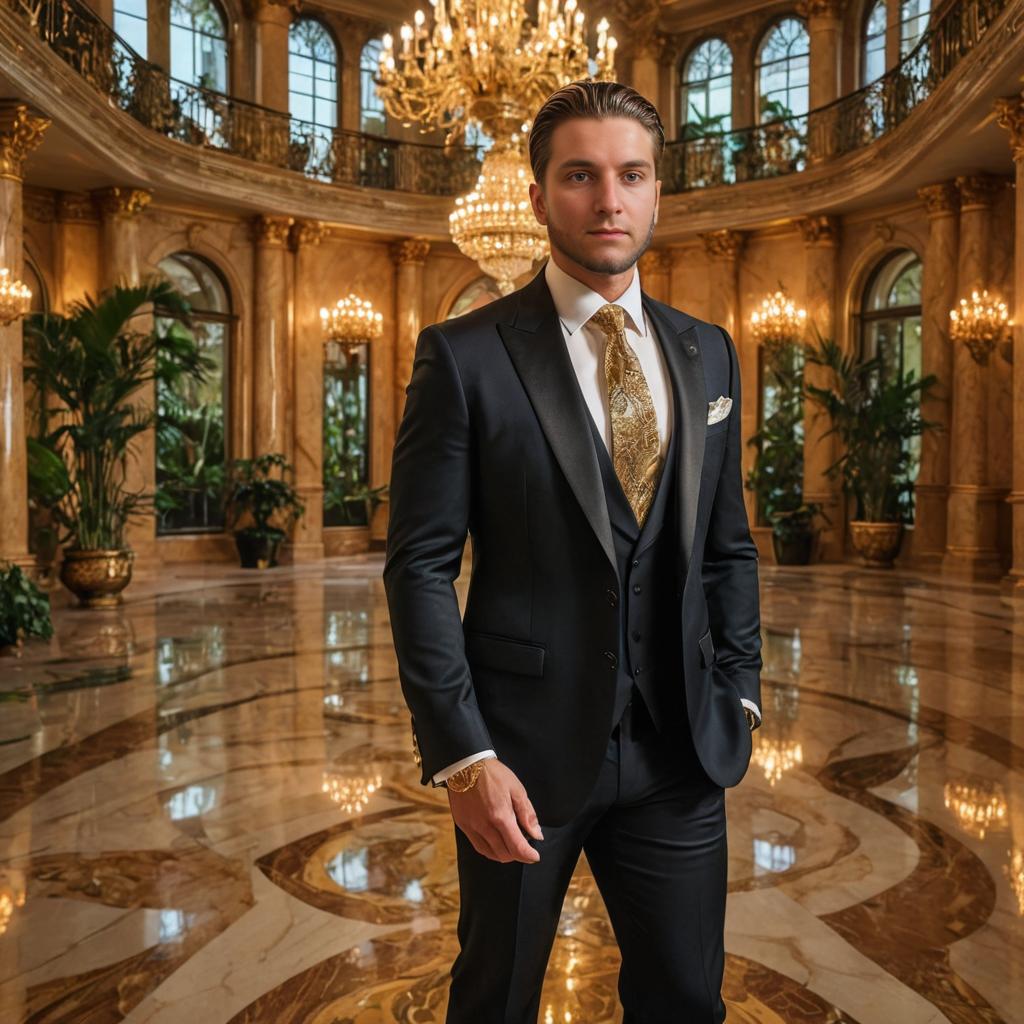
<point x="591" y="99"/>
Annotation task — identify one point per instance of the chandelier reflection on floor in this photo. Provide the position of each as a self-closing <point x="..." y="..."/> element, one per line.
<point x="491" y="65"/>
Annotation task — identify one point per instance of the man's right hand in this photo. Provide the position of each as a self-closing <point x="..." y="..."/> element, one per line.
<point x="491" y="813"/>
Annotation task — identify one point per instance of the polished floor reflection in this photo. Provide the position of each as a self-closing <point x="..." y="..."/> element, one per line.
<point x="209" y="813"/>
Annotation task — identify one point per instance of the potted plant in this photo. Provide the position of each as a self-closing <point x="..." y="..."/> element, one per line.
<point x="92" y="364"/>
<point x="874" y="414"/>
<point x="266" y="503"/>
<point x="777" y="476"/>
<point x="24" y="609"/>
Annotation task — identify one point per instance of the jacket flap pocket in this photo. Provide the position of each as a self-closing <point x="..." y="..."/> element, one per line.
<point x="505" y="654"/>
<point x="707" y="649"/>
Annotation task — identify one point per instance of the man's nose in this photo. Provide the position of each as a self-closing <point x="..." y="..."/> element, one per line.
<point x="607" y="199"/>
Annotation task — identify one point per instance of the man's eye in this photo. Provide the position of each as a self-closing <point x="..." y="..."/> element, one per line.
<point x="636" y="173"/>
<point x="575" y="173"/>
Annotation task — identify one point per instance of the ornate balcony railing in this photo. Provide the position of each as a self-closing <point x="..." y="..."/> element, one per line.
<point x="205" y="117"/>
<point x="851" y="122"/>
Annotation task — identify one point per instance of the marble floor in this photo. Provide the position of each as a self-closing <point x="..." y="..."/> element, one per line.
<point x="209" y="813"/>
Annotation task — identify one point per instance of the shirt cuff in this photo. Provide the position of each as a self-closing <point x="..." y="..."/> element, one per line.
<point x="459" y="765"/>
<point x="753" y="707"/>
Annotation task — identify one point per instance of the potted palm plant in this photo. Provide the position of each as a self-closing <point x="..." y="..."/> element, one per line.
<point x="777" y="476"/>
<point x="91" y="364"/>
<point x="265" y="503"/>
<point x="873" y="414"/>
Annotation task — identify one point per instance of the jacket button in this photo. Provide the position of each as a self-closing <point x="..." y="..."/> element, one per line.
<point x="635" y="563"/>
<point x="612" y="660"/>
<point x="636" y="588"/>
<point x="613" y="598"/>
<point x="636" y="671"/>
<point x="635" y="635"/>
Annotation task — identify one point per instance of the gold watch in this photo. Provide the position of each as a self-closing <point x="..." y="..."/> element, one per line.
<point x="751" y="718"/>
<point x="465" y="778"/>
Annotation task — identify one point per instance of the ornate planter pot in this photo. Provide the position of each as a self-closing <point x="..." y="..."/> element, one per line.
<point x="878" y="544"/>
<point x="97" y="578"/>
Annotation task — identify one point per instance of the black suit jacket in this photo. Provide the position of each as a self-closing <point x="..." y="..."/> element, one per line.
<point x="495" y="440"/>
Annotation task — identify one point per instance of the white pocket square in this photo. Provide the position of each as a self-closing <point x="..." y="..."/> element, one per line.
<point x="719" y="409"/>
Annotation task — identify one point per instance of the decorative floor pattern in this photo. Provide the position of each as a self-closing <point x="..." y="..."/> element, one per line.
<point x="209" y="813"/>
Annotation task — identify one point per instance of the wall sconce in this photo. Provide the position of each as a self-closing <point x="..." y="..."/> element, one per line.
<point x="15" y="298"/>
<point x="350" y="323"/>
<point x="778" y="323"/>
<point x="981" y="323"/>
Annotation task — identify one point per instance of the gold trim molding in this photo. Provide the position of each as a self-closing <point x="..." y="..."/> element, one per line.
<point x="726" y="244"/>
<point x="821" y="229"/>
<point x="270" y="231"/>
<point x="978" y="191"/>
<point x="940" y="200"/>
<point x="409" y="250"/>
<point x="20" y="133"/>
<point x="655" y="261"/>
<point x="1010" y="115"/>
<point x="307" y="232"/>
<point x="116" y="201"/>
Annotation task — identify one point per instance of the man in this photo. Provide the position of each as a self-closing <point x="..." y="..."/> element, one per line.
<point x="600" y="692"/>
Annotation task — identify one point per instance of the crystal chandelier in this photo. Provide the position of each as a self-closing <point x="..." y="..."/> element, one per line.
<point x="15" y="298"/>
<point x="980" y="324"/>
<point x="351" y="792"/>
<point x="778" y="323"/>
<point x="350" y="323"/>
<point x="493" y="66"/>
<point x="775" y="757"/>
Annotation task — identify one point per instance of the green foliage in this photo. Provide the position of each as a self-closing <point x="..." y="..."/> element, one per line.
<point x="189" y="451"/>
<point x="873" y="414"/>
<point x="24" y="608"/>
<point x="268" y="503"/>
<point x="91" y="365"/>
<point x="777" y="476"/>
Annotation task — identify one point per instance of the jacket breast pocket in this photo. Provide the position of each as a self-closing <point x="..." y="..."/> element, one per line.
<point x="505" y="654"/>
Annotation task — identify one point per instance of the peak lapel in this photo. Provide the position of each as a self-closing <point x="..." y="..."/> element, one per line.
<point x="536" y="346"/>
<point x="681" y="347"/>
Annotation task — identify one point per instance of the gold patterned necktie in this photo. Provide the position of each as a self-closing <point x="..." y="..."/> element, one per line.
<point x="636" y="448"/>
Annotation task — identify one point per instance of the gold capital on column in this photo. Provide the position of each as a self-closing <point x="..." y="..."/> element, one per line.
<point x="822" y="229"/>
<point x="1010" y="115"/>
<point x="723" y="245"/>
<point x="20" y="133"/>
<point x="270" y="231"/>
<point x="820" y="8"/>
<point x="655" y="261"/>
<point x="940" y="200"/>
<point x="116" y="201"/>
<point x="979" y="191"/>
<point x="307" y="232"/>
<point x="409" y="250"/>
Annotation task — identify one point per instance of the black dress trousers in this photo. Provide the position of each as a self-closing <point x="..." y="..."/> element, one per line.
<point x="654" y="833"/>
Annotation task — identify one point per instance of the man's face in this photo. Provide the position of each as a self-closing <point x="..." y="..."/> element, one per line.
<point x="600" y="176"/>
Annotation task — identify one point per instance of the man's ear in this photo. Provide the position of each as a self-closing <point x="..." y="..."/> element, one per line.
<point x="657" y="198"/>
<point x="537" y="202"/>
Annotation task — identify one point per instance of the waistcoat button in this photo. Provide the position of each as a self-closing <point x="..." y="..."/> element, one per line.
<point x="612" y="660"/>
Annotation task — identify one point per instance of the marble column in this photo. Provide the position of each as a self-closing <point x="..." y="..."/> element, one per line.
<point x="409" y="256"/>
<point x="20" y="133"/>
<point x="308" y="540"/>
<point x="824" y="29"/>
<point x="120" y="211"/>
<point x="271" y="22"/>
<point x="973" y="508"/>
<point x="270" y="335"/>
<point x="821" y="237"/>
<point x="724" y="249"/>
<point x="1010" y="115"/>
<point x="938" y="295"/>
<point x="655" y="267"/>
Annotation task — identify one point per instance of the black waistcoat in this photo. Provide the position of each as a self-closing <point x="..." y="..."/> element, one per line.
<point x="650" y="638"/>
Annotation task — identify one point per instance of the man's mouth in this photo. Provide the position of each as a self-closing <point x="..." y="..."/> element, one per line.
<point x="609" y="233"/>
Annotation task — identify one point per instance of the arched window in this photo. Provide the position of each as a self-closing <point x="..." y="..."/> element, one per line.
<point x="890" y="325"/>
<point x="346" y="440"/>
<point x="783" y="62"/>
<point x="476" y="294"/>
<point x="312" y="94"/>
<point x="199" y="44"/>
<point x="873" y="62"/>
<point x="372" y="117"/>
<point x="705" y="102"/>
<point x="130" y="24"/>
<point x="190" y="431"/>
<point x="913" y="22"/>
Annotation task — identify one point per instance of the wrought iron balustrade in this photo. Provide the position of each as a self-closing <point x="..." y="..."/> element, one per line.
<point x="205" y="117"/>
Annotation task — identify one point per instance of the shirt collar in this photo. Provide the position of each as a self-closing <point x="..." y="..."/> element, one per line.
<point x="575" y="303"/>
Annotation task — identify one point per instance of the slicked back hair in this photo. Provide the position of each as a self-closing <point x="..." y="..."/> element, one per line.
<point x="596" y="100"/>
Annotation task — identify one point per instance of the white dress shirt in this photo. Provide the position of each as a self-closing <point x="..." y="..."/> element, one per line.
<point x="576" y="303"/>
